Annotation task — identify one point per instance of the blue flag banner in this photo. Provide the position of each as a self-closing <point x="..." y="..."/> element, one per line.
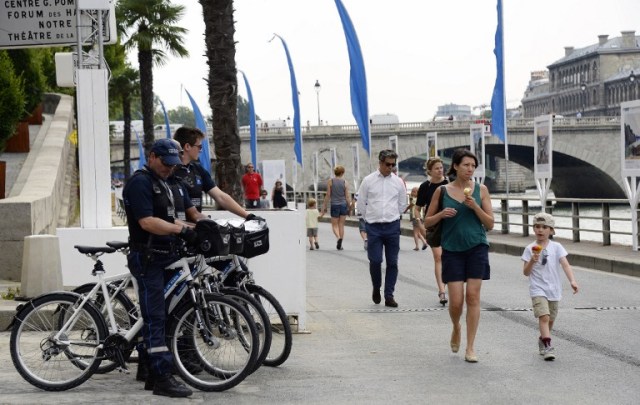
<point x="297" y="147"/>
<point x="252" y="123"/>
<point x="166" y="120"/>
<point x="498" y="111"/>
<point x="358" y="78"/>
<point x="204" y="158"/>
<point x="142" y="161"/>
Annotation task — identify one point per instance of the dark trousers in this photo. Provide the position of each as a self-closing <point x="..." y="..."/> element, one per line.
<point x="150" y="277"/>
<point x="384" y="236"/>
<point x="252" y="203"/>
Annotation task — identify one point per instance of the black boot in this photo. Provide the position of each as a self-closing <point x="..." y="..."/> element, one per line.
<point x="143" y="366"/>
<point x="167" y="386"/>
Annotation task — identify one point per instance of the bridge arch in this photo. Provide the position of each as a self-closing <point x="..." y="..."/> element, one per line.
<point x="586" y="151"/>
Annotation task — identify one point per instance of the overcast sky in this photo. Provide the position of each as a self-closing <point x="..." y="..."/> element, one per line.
<point x="418" y="54"/>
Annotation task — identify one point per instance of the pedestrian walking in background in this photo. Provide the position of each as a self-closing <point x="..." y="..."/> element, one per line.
<point x="435" y="171"/>
<point x="311" y="220"/>
<point x="542" y="262"/>
<point x="467" y="215"/>
<point x="416" y="221"/>
<point x="264" y="201"/>
<point x="278" y="199"/>
<point x="382" y="199"/>
<point x="252" y="184"/>
<point x="338" y="199"/>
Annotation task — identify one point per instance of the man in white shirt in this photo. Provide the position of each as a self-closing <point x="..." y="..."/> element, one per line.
<point x="382" y="198"/>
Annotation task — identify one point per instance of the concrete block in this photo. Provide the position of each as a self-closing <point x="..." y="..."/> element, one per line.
<point x="41" y="270"/>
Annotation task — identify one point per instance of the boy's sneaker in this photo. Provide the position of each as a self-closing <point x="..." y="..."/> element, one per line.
<point x="549" y="353"/>
<point x="540" y="347"/>
<point x="317" y="245"/>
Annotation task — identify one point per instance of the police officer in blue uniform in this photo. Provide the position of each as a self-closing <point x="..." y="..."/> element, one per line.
<point x="196" y="179"/>
<point x="155" y="211"/>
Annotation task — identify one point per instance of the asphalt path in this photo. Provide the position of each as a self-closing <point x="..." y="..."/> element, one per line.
<point x="360" y="353"/>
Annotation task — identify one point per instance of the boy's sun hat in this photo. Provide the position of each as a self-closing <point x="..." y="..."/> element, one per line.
<point x="542" y="218"/>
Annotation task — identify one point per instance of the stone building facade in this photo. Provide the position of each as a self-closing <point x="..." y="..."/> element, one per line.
<point x="589" y="81"/>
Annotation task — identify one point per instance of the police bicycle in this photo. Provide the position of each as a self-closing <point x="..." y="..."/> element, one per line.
<point x="59" y="340"/>
<point x="125" y="311"/>
<point x="230" y="272"/>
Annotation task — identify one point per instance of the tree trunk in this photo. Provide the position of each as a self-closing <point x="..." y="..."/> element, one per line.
<point x="146" y="97"/>
<point x="223" y="96"/>
<point x="126" y="137"/>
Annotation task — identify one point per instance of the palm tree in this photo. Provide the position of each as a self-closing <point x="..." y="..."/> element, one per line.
<point x="150" y="26"/>
<point x="223" y="96"/>
<point x="125" y="86"/>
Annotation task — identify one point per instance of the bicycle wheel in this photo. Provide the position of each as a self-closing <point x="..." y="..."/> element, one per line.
<point x="281" y="335"/>
<point x="260" y="317"/>
<point x="51" y="363"/>
<point x="226" y="346"/>
<point x="125" y="313"/>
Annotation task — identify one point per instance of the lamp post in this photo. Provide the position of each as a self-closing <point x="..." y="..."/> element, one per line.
<point x="317" y="88"/>
<point x="583" y="87"/>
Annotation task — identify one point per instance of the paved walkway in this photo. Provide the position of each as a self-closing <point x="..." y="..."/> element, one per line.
<point x="361" y="353"/>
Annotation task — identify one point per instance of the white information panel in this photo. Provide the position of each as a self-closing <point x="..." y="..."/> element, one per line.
<point x="355" y="152"/>
<point x="543" y="147"/>
<point x="432" y="145"/>
<point x="630" y="138"/>
<point x="272" y="171"/>
<point x="476" y="140"/>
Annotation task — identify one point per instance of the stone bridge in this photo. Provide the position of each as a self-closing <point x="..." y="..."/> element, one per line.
<point x="586" y="151"/>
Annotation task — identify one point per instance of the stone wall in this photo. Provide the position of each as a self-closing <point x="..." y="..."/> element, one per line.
<point x="34" y="210"/>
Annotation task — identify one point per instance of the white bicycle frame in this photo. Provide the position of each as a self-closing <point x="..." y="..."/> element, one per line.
<point x="183" y="274"/>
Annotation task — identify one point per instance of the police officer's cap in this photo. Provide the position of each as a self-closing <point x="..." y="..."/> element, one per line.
<point x="167" y="151"/>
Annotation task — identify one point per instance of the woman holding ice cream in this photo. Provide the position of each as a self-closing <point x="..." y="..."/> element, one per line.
<point x="467" y="215"/>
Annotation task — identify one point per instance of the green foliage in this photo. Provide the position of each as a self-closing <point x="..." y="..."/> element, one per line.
<point x="11" y="293"/>
<point x="12" y="99"/>
<point x="243" y="112"/>
<point x="28" y="64"/>
<point x="181" y="115"/>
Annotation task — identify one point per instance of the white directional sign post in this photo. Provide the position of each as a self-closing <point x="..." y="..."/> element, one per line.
<point x="46" y="23"/>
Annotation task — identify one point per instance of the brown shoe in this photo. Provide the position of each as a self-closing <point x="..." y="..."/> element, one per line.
<point x="390" y="302"/>
<point x="376" y="296"/>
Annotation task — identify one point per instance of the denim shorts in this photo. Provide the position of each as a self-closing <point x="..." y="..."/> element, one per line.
<point x="338" y="210"/>
<point x="460" y="266"/>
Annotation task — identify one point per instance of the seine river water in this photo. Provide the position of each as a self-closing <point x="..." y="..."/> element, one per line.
<point x="562" y="215"/>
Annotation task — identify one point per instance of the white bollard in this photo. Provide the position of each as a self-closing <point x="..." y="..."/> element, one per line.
<point x="41" y="269"/>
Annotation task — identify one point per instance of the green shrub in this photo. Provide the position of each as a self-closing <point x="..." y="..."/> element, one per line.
<point x="12" y="100"/>
<point x="28" y="64"/>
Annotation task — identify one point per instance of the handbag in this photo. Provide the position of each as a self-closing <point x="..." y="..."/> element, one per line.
<point x="434" y="233"/>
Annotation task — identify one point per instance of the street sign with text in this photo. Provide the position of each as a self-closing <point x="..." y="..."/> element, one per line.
<point x="45" y="23"/>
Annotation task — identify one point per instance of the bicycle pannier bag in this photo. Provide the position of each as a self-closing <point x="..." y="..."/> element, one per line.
<point x="214" y="239"/>
<point x="256" y="239"/>
<point x="236" y="245"/>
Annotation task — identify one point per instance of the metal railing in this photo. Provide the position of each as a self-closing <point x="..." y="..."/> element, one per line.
<point x="434" y="125"/>
<point x="577" y="216"/>
<point x="599" y="219"/>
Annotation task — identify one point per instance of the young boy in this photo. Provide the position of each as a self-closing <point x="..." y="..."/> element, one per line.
<point x="264" y="202"/>
<point x="542" y="261"/>
<point x="312" y="223"/>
